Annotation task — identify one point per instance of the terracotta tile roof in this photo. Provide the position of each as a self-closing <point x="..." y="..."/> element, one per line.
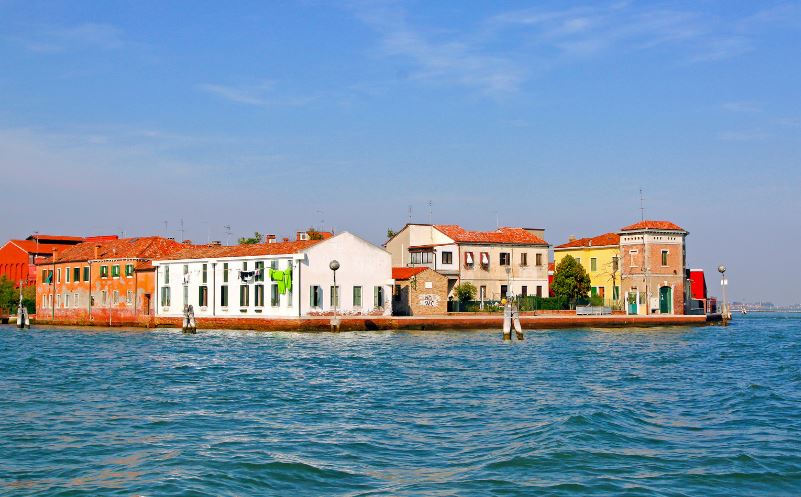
<point x="653" y="225"/>
<point x="505" y="235"/>
<point x="45" y="238"/>
<point x="218" y="251"/>
<point x="152" y="247"/>
<point x="404" y="273"/>
<point x="604" y="240"/>
<point x="551" y="266"/>
<point x="31" y="247"/>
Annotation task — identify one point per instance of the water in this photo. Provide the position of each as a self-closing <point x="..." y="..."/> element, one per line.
<point x="675" y="411"/>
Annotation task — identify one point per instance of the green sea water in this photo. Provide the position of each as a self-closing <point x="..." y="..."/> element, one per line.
<point x="670" y="411"/>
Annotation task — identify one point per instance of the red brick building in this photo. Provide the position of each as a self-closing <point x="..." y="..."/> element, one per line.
<point x="419" y="291"/>
<point x="100" y="280"/>
<point x="18" y="257"/>
<point x="653" y="262"/>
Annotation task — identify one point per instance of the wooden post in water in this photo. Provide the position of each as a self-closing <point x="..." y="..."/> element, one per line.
<point x="189" y="325"/>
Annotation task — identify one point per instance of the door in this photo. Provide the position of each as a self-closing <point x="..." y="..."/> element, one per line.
<point x="146" y="304"/>
<point x="632" y="298"/>
<point x="665" y="299"/>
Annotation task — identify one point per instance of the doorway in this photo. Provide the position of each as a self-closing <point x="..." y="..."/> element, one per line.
<point x="665" y="300"/>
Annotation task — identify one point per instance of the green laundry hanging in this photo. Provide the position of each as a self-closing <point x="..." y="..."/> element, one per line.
<point x="283" y="278"/>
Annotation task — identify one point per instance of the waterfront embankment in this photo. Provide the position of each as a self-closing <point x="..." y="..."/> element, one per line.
<point x="367" y="323"/>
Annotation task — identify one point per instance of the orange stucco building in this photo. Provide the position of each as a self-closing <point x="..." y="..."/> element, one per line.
<point x="18" y="257"/>
<point x="104" y="281"/>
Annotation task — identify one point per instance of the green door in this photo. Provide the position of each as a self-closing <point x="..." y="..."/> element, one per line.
<point x="632" y="303"/>
<point x="665" y="299"/>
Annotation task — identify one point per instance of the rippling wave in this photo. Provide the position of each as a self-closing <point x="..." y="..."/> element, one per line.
<point x="684" y="411"/>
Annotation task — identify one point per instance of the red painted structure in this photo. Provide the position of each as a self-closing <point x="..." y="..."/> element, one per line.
<point x="18" y="257"/>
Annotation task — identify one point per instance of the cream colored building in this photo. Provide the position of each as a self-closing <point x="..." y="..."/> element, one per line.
<point x="496" y="262"/>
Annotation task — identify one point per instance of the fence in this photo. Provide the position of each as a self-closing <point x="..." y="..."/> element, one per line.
<point x="531" y="303"/>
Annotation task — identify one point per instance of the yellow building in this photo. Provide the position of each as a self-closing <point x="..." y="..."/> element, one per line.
<point x="600" y="257"/>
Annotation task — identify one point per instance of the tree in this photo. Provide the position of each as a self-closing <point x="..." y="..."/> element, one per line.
<point x="9" y="296"/>
<point x="465" y="292"/>
<point x="314" y="234"/>
<point x="257" y="238"/>
<point x="391" y="233"/>
<point x="570" y="280"/>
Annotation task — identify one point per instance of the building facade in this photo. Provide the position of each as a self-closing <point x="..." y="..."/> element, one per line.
<point x="273" y="280"/>
<point x="419" y="291"/>
<point x="600" y="257"/>
<point x="102" y="280"/>
<point x="18" y="257"/>
<point x="496" y="262"/>
<point x="653" y="261"/>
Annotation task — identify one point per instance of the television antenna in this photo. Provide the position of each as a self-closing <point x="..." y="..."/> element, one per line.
<point x="227" y="234"/>
<point x="642" y="206"/>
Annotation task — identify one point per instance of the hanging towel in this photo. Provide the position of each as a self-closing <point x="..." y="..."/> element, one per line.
<point x="247" y="276"/>
<point x="283" y="278"/>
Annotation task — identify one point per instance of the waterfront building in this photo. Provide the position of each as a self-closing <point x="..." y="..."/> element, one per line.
<point x="103" y="279"/>
<point x="507" y="259"/>
<point x="419" y="291"/>
<point x="600" y="258"/>
<point x="276" y="279"/>
<point x="18" y="257"/>
<point x="653" y="262"/>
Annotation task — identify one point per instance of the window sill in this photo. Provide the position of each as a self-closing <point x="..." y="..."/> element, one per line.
<point x="259" y="311"/>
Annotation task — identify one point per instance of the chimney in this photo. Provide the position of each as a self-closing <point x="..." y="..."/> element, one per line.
<point x="187" y="242"/>
<point x="215" y="243"/>
<point x="270" y="238"/>
<point x="571" y="238"/>
<point x="97" y="252"/>
<point x="286" y="239"/>
<point x="55" y="254"/>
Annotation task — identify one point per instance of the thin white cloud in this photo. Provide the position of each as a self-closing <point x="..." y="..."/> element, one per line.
<point x="78" y="37"/>
<point x="743" y="136"/>
<point x="262" y="94"/>
<point x="741" y="106"/>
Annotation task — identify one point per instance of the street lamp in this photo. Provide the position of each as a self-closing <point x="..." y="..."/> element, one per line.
<point x="334" y="265"/>
<point x="724" y="283"/>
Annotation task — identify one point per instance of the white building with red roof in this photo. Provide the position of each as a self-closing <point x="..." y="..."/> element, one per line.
<point x="503" y="260"/>
<point x="279" y="279"/>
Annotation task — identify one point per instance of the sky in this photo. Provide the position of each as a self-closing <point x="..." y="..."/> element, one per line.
<point x="131" y="117"/>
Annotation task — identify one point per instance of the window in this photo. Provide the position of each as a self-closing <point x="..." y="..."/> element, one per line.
<point x="115" y="271"/>
<point x="165" y="296"/>
<point x="129" y="297"/>
<point x="166" y="274"/>
<point x="632" y="254"/>
<point x="225" y="272"/>
<point x="593" y="264"/>
<point x="357" y="296"/>
<point x="104" y="272"/>
<point x="76" y="274"/>
<point x="275" y="297"/>
<point x="205" y="273"/>
<point x="316" y="296"/>
<point x="504" y="290"/>
<point x="664" y="257"/>
<point x="186" y="276"/>
<point x="468" y="260"/>
<point x="524" y="291"/>
<point x="594" y="291"/>
<point x="422" y="257"/>
<point x="615" y="263"/>
<point x="538" y="258"/>
<point x="224" y="296"/>
<point x="244" y="296"/>
<point x="44" y="276"/>
<point x="447" y="257"/>
<point x="274" y="264"/>
<point x="289" y="298"/>
<point x="116" y="297"/>
<point x="58" y="275"/>
<point x="67" y="298"/>
<point x="506" y="258"/>
<point x="578" y="259"/>
<point x="524" y="259"/>
<point x="378" y="296"/>
<point x="485" y="260"/>
<point x="260" y="273"/>
<point x="74" y="300"/>
<point x="539" y="290"/>
<point x="185" y="296"/>
<point x="44" y="301"/>
<point x="258" y="294"/>
<point x="334" y="296"/>
<point x="203" y="296"/>
<point x="129" y="270"/>
<point x="616" y="292"/>
<point x="67" y="274"/>
<point x="244" y="265"/>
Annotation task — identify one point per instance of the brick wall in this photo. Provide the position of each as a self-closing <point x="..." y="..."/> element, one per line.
<point x="413" y="298"/>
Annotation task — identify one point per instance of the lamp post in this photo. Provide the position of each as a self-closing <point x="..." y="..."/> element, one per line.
<point x="334" y="265"/>
<point x="723" y="284"/>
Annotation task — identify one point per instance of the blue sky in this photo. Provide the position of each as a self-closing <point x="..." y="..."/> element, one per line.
<point x="275" y="116"/>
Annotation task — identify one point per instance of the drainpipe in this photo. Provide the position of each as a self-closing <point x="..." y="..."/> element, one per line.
<point x="55" y="253"/>
<point x="214" y="289"/>
<point x="300" y="291"/>
<point x="90" y="289"/>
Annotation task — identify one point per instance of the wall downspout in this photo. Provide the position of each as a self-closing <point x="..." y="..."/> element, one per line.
<point x="214" y="288"/>
<point x="300" y="291"/>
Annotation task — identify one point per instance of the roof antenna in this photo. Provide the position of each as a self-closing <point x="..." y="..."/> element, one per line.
<point x="166" y="231"/>
<point x="642" y="206"/>
<point x="410" y="213"/>
<point x="227" y="234"/>
<point x="322" y="220"/>
<point x="182" y="230"/>
<point x="430" y="213"/>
